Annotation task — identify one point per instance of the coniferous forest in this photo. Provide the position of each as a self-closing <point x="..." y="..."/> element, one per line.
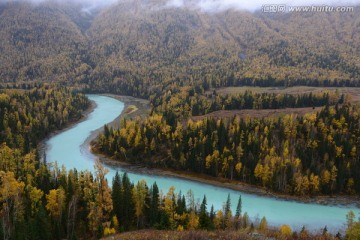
<point x="189" y="63"/>
<point x="313" y="154"/>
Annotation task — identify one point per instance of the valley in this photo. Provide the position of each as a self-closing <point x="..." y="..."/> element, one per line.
<point x="226" y="112"/>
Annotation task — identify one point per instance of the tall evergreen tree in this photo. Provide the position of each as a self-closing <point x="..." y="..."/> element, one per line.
<point x="204" y="219"/>
<point x="127" y="206"/>
<point x="154" y="207"/>
<point x="227" y="206"/>
<point x="116" y="195"/>
<point x="212" y="216"/>
<point x="238" y="213"/>
<point x="238" y="208"/>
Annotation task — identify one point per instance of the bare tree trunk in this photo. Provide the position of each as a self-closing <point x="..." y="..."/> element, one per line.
<point x="71" y="217"/>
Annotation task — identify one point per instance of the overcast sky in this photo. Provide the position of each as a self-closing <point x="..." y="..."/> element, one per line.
<point x="219" y="5"/>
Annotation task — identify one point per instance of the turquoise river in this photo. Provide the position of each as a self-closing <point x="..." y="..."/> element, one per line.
<point x="68" y="149"/>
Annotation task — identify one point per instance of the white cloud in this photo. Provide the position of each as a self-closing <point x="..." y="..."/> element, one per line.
<point x="212" y="5"/>
<point x="220" y="5"/>
<point x="175" y="3"/>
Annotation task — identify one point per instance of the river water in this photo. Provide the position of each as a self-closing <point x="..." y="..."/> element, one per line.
<point x="67" y="149"/>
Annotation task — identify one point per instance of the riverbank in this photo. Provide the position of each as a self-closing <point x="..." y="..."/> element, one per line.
<point x="335" y="200"/>
<point x="84" y="115"/>
<point x="140" y="109"/>
<point x="133" y="108"/>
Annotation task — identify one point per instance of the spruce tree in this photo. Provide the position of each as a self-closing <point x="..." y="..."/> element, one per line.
<point x="154" y="205"/>
<point x="238" y="208"/>
<point x="127" y="206"/>
<point x="212" y="217"/>
<point x="204" y="219"/>
<point x="116" y="195"/>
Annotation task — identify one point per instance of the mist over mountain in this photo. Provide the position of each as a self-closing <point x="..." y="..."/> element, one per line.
<point x="142" y="45"/>
<point x="204" y="5"/>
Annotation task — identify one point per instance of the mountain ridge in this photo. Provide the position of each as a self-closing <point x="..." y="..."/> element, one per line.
<point x="151" y="44"/>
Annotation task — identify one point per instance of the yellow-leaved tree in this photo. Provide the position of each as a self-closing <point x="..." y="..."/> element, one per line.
<point x="285" y="230"/>
<point x="55" y="203"/>
<point x="100" y="206"/>
<point x="11" y="198"/>
<point x="139" y="196"/>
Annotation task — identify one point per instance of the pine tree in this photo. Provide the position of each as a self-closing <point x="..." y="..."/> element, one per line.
<point x="204" y="219"/>
<point x="238" y="214"/>
<point x="127" y="210"/>
<point x="238" y="208"/>
<point x="227" y="212"/>
<point x="116" y="195"/>
<point x="154" y="205"/>
<point x="179" y="207"/>
<point x="212" y="216"/>
<point x="227" y="205"/>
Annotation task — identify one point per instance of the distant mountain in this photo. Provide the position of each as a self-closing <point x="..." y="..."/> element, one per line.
<point x="141" y="46"/>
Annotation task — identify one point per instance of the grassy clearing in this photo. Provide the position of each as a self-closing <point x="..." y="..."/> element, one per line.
<point x="354" y="93"/>
<point x="131" y="109"/>
<point x="258" y="113"/>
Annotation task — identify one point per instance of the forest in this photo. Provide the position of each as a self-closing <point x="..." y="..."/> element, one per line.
<point x="54" y="52"/>
<point x="140" y="48"/>
<point x="46" y="201"/>
<point x="43" y="201"/>
<point x="317" y="153"/>
<point x="187" y="102"/>
<point x="28" y="116"/>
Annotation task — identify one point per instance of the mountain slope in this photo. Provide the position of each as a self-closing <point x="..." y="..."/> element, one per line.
<point x="157" y="45"/>
<point x="41" y="43"/>
<point x="141" y="47"/>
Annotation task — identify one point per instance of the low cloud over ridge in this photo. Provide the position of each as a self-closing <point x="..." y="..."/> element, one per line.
<point x="221" y="5"/>
<point x="206" y="5"/>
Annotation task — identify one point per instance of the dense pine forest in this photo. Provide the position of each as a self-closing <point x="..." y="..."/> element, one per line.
<point x="40" y="201"/>
<point x="28" y="116"/>
<point x="313" y="154"/>
<point x="179" y="58"/>
<point x="187" y="102"/>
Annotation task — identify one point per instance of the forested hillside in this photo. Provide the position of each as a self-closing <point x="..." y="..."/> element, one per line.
<point x="140" y="47"/>
<point x="27" y="117"/>
<point x="41" y="43"/>
<point x="184" y="46"/>
<point x="176" y="56"/>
